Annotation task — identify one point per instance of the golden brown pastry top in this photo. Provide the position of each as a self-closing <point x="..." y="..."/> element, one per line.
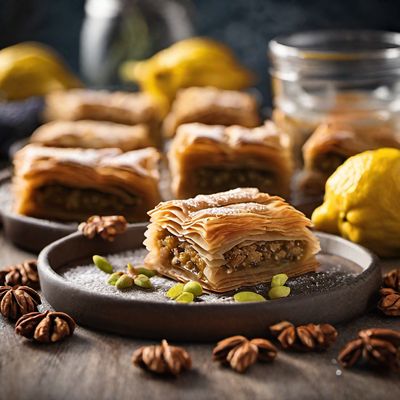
<point x="75" y="104"/>
<point x="92" y="134"/>
<point x="212" y="106"/>
<point x="248" y="202"/>
<point x="202" y="97"/>
<point x="232" y="136"/>
<point x="34" y="159"/>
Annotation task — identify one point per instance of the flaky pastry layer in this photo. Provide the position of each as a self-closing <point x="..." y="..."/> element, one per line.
<point x="206" y="159"/>
<point x="208" y="231"/>
<point x="92" y="135"/>
<point x="64" y="184"/>
<point x="212" y="106"/>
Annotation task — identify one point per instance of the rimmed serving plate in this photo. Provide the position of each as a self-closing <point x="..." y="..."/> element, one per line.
<point x="344" y="288"/>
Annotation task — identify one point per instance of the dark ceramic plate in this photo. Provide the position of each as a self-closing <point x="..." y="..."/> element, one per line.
<point x="342" y="289"/>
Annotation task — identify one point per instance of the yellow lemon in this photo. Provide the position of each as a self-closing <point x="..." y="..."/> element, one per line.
<point x="190" y="62"/>
<point x="362" y="201"/>
<point x="32" y="69"/>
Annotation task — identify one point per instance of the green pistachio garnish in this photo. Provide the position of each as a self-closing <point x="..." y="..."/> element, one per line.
<point x="140" y="270"/>
<point x="124" y="282"/>
<point x="193" y="287"/>
<point x="131" y="269"/>
<point x="279" y="292"/>
<point x="242" y="297"/>
<point x="185" y="297"/>
<point x="103" y="264"/>
<point x="112" y="280"/>
<point x="175" y="291"/>
<point x="279" y="280"/>
<point x="143" y="281"/>
<point x="145" y="271"/>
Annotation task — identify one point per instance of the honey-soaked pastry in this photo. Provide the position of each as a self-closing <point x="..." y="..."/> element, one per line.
<point x="100" y="105"/>
<point x="228" y="240"/>
<point x="207" y="159"/>
<point x="211" y="106"/>
<point x="73" y="184"/>
<point x="92" y="135"/>
<point x="333" y="143"/>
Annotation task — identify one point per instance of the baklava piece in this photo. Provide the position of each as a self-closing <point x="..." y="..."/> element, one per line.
<point x="211" y="106"/>
<point x="100" y="105"/>
<point x="92" y="135"/>
<point x="73" y="184"/>
<point x="333" y="143"/>
<point x="229" y="240"/>
<point x="207" y="159"/>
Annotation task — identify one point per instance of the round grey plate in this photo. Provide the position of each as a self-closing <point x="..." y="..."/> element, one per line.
<point x="331" y="295"/>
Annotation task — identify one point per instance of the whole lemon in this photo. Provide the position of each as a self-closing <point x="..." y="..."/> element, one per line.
<point x="362" y="201"/>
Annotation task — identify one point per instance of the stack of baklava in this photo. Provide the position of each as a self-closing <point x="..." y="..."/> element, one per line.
<point x="95" y="155"/>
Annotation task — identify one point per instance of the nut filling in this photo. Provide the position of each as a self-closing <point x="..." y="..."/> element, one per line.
<point x="251" y="256"/>
<point x="182" y="253"/>
<point x="89" y="200"/>
<point x="274" y="252"/>
<point x="212" y="180"/>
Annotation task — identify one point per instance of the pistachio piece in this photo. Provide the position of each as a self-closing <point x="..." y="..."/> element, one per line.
<point x="175" y="291"/>
<point x="112" y="280"/>
<point x="124" y="282"/>
<point x="278" y="292"/>
<point x="185" y="297"/>
<point x="145" y="271"/>
<point x="242" y="297"/>
<point x="103" y="264"/>
<point x="279" y="280"/>
<point x="131" y="270"/>
<point x="193" y="287"/>
<point x="143" y="281"/>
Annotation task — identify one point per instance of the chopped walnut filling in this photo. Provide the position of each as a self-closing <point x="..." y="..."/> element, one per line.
<point x="183" y="254"/>
<point x="277" y="252"/>
<point x="213" y="179"/>
<point x="80" y="199"/>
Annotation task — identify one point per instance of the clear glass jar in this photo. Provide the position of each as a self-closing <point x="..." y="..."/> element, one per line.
<point x="352" y="75"/>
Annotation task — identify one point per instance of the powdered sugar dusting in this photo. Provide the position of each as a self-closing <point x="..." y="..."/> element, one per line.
<point x="333" y="272"/>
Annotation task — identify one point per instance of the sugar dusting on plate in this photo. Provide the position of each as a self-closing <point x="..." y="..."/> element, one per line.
<point x="334" y="271"/>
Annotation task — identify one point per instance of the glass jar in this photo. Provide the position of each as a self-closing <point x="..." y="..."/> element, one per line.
<point x="319" y="75"/>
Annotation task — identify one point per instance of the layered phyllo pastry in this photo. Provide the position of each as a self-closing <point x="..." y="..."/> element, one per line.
<point x="228" y="240"/>
<point x="333" y="143"/>
<point x="211" y="106"/>
<point x="207" y="159"/>
<point x="93" y="135"/>
<point x="73" y="184"/>
<point x="100" y="105"/>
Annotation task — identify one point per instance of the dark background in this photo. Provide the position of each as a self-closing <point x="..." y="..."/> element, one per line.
<point x="246" y="25"/>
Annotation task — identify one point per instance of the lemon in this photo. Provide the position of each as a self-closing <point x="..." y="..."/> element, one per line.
<point x="32" y="69"/>
<point x="362" y="201"/>
<point x="190" y="62"/>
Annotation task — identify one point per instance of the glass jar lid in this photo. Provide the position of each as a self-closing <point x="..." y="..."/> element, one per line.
<point x="335" y="55"/>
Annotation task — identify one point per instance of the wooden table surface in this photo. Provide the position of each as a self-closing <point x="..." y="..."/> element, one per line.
<point x="93" y="365"/>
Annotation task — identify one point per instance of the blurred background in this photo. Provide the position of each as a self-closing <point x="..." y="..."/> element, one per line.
<point x="95" y="36"/>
